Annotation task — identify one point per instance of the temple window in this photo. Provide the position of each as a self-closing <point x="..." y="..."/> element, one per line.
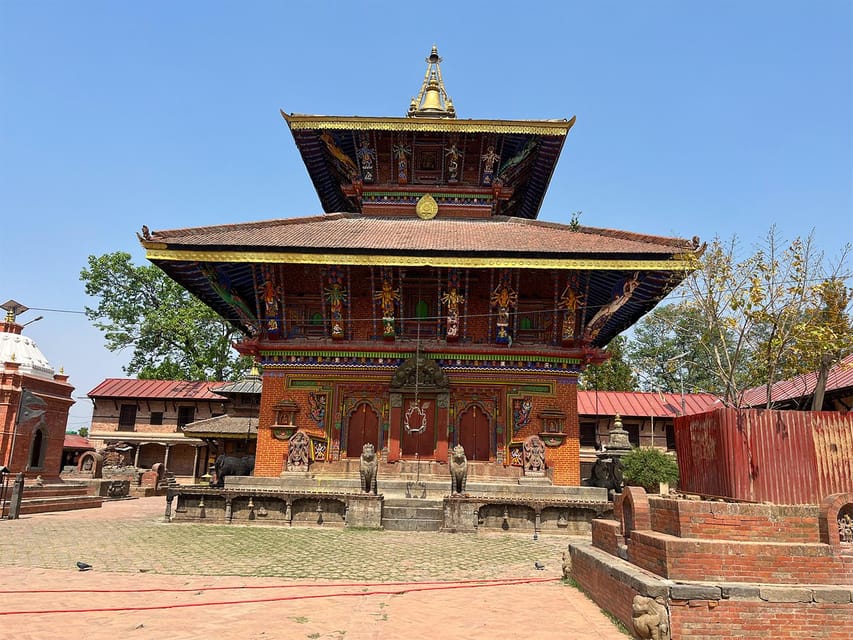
<point x="156" y="417"/>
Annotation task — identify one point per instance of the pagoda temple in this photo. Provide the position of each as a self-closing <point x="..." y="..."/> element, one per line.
<point x="427" y="306"/>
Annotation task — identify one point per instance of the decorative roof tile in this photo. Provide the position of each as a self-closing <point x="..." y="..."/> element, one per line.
<point x="352" y="232"/>
<point x="223" y="425"/>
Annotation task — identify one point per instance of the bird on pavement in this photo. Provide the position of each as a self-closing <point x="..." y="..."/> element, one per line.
<point x="539" y="566"/>
<point x="83" y="566"/>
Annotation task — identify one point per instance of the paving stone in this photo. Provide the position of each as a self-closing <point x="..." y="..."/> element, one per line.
<point x="130" y="547"/>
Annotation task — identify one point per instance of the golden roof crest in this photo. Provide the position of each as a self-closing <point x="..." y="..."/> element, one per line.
<point x="432" y="100"/>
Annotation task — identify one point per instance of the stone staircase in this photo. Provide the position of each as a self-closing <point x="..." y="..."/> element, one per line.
<point x="412" y="514"/>
<point x="54" y="497"/>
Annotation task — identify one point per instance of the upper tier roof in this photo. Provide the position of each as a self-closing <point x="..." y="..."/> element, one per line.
<point x="525" y="152"/>
<point x="506" y="164"/>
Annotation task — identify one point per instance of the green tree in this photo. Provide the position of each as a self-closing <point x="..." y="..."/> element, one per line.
<point x="614" y="374"/>
<point x="647" y="467"/>
<point x="665" y="353"/>
<point x="825" y="334"/>
<point x="748" y="321"/>
<point x="172" y="334"/>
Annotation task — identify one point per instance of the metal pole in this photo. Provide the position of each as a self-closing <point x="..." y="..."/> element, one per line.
<point x="11" y="454"/>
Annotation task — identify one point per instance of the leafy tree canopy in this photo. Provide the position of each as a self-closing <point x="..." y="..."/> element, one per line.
<point x="782" y="310"/>
<point x="614" y="374"/>
<point x="173" y="335"/>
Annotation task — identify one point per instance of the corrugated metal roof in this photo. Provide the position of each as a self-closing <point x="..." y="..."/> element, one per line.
<point x="170" y="389"/>
<point x="249" y="385"/>
<point x="840" y="377"/>
<point x="639" y="404"/>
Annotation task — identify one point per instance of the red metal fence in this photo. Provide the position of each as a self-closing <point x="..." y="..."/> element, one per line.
<point x="762" y="455"/>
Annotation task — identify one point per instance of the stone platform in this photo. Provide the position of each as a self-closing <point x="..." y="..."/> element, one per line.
<point x="409" y="499"/>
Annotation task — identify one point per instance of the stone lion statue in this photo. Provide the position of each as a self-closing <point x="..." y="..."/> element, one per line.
<point x="367" y="469"/>
<point x="458" y="470"/>
<point x="650" y="618"/>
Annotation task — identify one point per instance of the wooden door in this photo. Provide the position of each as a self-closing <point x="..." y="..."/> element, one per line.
<point x="362" y="427"/>
<point x="474" y="433"/>
<point x="419" y="436"/>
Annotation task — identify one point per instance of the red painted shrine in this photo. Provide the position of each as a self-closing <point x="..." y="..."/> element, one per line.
<point x="427" y="307"/>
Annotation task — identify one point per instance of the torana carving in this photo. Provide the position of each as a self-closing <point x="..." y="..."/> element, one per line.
<point x="421" y="372"/>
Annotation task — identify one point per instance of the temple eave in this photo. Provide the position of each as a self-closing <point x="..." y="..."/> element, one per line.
<point x="676" y="262"/>
<point x="559" y="127"/>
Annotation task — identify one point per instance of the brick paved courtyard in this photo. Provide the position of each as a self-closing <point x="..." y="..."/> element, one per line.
<point x="345" y="573"/>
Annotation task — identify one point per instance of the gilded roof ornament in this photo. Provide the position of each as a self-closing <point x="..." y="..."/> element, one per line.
<point x="432" y="100"/>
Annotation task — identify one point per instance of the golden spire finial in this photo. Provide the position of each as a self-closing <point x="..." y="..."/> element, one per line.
<point x="432" y="100"/>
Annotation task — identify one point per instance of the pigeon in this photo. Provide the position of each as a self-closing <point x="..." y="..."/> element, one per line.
<point x="539" y="566"/>
<point x="83" y="566"/>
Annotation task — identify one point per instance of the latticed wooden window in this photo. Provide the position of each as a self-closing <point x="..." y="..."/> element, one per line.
<point x="127" y="417"/>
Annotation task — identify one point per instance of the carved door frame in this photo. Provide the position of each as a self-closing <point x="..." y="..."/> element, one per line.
<point x="365" y="406"/>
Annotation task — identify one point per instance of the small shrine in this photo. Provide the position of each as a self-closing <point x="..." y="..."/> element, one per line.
<point x="36" y="401"/>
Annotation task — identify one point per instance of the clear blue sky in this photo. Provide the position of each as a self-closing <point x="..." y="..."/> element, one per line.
<point x="693" y="118"/>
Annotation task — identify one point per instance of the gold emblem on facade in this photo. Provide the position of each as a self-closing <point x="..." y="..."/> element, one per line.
<point x="427" y="207"/>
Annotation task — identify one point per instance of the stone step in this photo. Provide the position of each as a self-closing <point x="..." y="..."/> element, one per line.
<point x="412" y="513"/>
<point x="59" y="490"/>
<point x="411" y="524"/>
<point x="30" y="506"/>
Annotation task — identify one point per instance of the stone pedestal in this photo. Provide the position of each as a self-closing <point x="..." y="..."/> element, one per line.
<point x="365" y="512"/>
<point x="460" y="516"/>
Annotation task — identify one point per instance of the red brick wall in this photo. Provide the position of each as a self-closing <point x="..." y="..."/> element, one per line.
<point x="57" y="394"/>
<point x="714" y="619"/>
<point x="736" y="522"/>
<point x="607" y="535"/>
<point x="565" y="460"/>
<point x="606" y="591"/>
<point x="691" y="559"/>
